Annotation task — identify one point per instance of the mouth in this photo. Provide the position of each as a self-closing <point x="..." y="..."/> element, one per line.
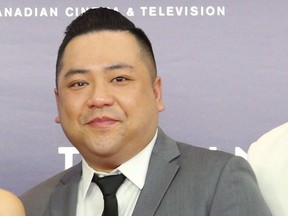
<point x="102" y="122"/>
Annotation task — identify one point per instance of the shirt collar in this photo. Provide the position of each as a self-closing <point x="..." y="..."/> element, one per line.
<point x="134" y="169"/>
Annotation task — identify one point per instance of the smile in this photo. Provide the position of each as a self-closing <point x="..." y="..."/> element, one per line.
<point x="102" y="122"/>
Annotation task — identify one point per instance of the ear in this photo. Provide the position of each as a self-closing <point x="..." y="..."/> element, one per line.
<point x="57" y="119"/>
<point x="157" y="88"/>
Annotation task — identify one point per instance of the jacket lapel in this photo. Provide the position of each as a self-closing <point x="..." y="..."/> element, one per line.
<point x="162" y="169"/>
<point x="63" y="200"/>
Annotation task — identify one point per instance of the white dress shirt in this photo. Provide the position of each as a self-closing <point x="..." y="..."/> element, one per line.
<point x="269" y="160"/>
<point x="90" y="199"/>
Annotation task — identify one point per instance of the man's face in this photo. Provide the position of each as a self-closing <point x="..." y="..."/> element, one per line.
<point x="107" y="102"/>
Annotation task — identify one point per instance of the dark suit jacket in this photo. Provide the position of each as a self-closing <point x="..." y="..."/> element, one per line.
<point x="181" y="180"/>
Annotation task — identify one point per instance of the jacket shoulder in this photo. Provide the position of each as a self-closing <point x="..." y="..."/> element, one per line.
<point x="37" y="198"/>
<point x="196" y="153"/>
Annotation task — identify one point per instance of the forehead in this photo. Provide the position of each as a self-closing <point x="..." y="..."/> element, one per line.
<point x="103" y="45"/>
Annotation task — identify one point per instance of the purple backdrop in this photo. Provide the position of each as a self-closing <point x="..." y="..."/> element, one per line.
<point x="223" y="64"/>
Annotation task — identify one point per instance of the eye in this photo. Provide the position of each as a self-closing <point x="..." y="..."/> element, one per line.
<point x="119" y="79"/>
<point x="78" y="84"/>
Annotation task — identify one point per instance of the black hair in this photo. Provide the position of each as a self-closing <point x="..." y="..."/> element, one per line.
<point x="100" y="19"/>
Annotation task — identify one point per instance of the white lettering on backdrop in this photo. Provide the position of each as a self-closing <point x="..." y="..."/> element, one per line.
<point x="69" y="153"/>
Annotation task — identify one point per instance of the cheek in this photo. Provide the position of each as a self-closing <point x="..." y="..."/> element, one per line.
<point x="138" y="102"/>
<point x="70" y="107"/>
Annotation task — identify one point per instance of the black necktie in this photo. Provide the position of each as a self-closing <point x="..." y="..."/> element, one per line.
<point x="109" y="186"/>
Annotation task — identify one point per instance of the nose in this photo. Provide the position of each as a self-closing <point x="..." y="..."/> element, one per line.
<point x="100" y="97"/>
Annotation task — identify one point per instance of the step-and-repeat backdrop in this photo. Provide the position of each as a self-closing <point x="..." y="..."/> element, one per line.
<point x="223" y="64"/>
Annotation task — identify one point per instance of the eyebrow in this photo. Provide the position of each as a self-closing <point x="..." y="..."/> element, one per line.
<point x="112" y="67"/>
<point x="72" y="72"/>
<point x="118" y="66"/>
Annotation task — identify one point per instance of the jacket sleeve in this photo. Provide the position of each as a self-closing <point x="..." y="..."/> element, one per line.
<point x="237" y="192"/>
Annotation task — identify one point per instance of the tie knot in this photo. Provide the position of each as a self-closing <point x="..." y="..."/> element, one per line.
<point x="109" y="184"/>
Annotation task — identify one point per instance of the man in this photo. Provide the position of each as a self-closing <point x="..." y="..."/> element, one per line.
<point x="10" y="205"/>
<point x="268" y="157"/>
<point x="109" y="97"/>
